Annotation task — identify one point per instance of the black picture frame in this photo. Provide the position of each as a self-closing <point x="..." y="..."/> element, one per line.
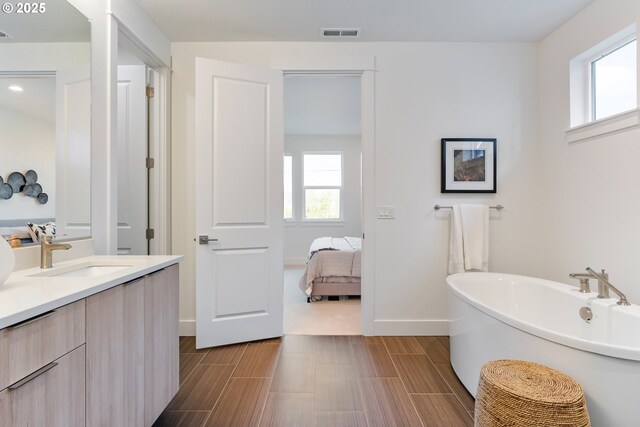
<point x="468" y="165"/>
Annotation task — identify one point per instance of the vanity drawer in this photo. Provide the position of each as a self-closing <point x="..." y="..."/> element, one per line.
<point x="52" y="396"/>
<point x="28" y="346"/>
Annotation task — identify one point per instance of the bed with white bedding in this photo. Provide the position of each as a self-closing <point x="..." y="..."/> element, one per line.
<point x="333" y="268"/>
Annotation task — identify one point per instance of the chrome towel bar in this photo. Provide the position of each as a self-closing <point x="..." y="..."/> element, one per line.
<point x="438" y="207"/>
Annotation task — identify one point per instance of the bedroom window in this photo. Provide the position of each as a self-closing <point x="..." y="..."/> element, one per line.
<point x="288" y="187"/>
<point x="322" y="186"/>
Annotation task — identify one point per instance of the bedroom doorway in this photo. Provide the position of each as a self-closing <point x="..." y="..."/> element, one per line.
<point x="323" y="203"/>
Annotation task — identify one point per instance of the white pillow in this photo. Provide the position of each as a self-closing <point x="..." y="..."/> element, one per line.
<point x="38" y="230"/>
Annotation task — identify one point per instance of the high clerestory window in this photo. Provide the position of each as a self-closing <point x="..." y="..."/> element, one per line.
<point x="604" y="86"/>
<point x="613" y="80"/>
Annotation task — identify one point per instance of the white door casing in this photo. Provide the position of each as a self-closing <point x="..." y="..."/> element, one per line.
<point x="364" y="65"/>
<point x="73" y="152"/>
<point x="239" y="202"/>
<point x="132" y="154"/>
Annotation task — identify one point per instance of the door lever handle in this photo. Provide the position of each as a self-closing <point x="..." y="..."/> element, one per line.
<point x="204" y="239"/>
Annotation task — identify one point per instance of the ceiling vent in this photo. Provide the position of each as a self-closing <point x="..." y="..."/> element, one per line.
<point x="340" y="32"/>
<point x="4" y="35"/>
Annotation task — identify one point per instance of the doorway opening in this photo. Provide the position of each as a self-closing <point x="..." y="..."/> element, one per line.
<point x="322" y="204"/>
<point x="142" y="161"/>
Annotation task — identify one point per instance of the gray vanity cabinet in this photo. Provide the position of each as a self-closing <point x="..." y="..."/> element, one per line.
<point x="42" y="370"/>
<point x="132" y="350"/>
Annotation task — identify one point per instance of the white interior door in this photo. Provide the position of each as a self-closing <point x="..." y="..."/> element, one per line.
<point x="73" y="152"/>
<point x="132" y="154"/>
<point x="239" y="199"/>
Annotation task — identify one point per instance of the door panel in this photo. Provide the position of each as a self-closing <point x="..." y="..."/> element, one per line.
<point x="239" y="140"/>
<point x="240" y="275"/>
<point x="239" y="154"/>
<point x="132" y="153"/>
<point x="73" y="152"/>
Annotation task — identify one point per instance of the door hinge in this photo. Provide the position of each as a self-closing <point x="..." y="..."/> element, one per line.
<point x="363" y="236"/>
<point x="150" y="163"/>
<point x="150" y="91"/>
<point x="150" y="233"/>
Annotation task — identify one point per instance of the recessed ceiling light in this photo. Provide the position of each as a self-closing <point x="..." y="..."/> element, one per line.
<point x="16" y="88"/>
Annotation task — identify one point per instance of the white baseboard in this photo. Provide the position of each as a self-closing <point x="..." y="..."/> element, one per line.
<point x="411" y="327"/>
<point x="295" y="261"/>
<point x="187" y="328"/>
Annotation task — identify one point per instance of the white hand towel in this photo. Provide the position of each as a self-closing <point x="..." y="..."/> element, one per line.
<point x="456" y="249"/>
<point x="475" y="236"/>
<point x="469" y="239"/>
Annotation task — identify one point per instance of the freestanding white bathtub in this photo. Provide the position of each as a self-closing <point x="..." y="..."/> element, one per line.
<point x="503" y="316"/>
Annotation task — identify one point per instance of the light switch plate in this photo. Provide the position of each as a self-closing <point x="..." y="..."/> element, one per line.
<point x="386" y="212"/>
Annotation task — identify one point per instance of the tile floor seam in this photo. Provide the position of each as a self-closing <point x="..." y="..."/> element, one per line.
<point x="190" y="372"/>
<point x="454" y="393"/>
<point x="449" y="385"/>
<point x="206" y="420"/>
<point x="273" y="373"/>
<point x="432" y="394"/>
<point x="413" y="405"/>
<point x="359" y="379"/>
<point x="225" y="386"/>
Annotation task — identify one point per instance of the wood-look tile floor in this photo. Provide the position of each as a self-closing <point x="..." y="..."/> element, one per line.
<point x="318" y="381"/>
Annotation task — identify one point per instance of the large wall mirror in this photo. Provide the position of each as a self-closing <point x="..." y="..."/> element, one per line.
<point x="45" y="129"/>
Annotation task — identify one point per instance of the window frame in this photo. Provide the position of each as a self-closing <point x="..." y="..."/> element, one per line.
<point x="591" y="81"/>
<point x="581" y="125"/>
<point x="293" y="188"/>
<point x="304" y="188"/>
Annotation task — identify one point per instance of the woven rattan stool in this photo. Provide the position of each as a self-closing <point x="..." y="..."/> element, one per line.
<point x="524" y="394"/>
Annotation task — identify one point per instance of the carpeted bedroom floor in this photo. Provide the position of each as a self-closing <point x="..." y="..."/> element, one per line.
<point x="320" y="317"/>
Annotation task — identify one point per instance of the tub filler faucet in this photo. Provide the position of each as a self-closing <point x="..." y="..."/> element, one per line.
<point x="46" y="251"/>
<point x="604" y="285"/>
<point x="584" y="281"/>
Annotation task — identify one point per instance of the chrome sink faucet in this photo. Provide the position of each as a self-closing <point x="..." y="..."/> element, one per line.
<point x="46" y="251"/>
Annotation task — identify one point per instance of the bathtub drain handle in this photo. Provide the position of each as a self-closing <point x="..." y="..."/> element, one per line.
<point x="586" y="314"/>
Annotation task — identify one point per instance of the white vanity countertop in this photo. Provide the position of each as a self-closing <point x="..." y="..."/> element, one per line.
<point x="24" y="296"/>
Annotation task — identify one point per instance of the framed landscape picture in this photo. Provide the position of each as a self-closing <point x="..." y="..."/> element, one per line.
<point x="468" y="165"/>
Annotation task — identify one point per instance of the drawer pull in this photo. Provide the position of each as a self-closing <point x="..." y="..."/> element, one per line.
<point x="36" y="374"/>
<point x="32" y="319"/>
<point x="134" y="281"/>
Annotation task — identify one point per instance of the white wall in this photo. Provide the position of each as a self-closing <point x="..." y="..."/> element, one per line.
<point x="424" y="92"/>
<point x="27" y="143"/>
<point x="591" y="201"/>
<point x="43" y="56"/>
<point x="299" y="234"/>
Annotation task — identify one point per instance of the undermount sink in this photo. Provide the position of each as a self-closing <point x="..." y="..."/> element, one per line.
<point x="83" y="270"/>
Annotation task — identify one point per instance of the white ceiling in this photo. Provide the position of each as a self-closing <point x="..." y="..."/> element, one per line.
<point x="60" y="22"/>
<point x="322" y="105"/>
<point x="380" y="20"/>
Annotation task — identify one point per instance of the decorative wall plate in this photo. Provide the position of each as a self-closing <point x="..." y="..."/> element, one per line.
<point x="16" y="181"/>
<point x="31" y="177"/>
<point x="32" y="190"/>
<point x="43" y="198"/>
<point x="5" y="191"/>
